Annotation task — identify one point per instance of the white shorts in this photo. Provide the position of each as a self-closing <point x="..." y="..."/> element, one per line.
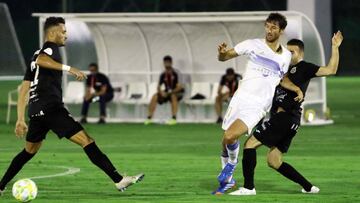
<point x="244" y="108"/>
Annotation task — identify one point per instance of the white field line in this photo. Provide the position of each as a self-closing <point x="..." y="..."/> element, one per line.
<point x="69" y="171"/>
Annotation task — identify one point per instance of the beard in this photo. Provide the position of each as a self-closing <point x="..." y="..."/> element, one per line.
<point x="271" y="38"/>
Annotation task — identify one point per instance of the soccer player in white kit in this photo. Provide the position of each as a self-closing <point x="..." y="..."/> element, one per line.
<point x="267" y="65"/>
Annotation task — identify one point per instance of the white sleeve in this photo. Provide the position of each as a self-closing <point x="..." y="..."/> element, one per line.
<point x="243" y="48"/>
<point x="287" y="62"/>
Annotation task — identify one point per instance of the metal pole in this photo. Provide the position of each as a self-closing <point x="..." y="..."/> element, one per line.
<point x="64" y="4"/>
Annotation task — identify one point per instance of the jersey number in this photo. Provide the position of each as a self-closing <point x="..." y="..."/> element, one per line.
<point x="35" y="66"/>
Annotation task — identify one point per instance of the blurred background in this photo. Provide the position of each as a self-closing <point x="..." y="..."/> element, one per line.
<point x="181" y="161"/>
<point x="328" y="16"/>
<point x="130" y="49"/>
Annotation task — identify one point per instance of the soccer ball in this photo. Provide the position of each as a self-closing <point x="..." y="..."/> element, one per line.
<point x="24" y="190"/>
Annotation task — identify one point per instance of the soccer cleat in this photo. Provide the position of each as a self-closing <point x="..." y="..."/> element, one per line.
<point x="83" y="121"/>
<point x="224" y="187"/>
<point x="128" y="181"/>
<point x="226" y="173"/>
<point x="147" y="122"/>
<point x="313" y="190"/>
<point x="171" y="122"/>
<point x="243" y="191"/>
<point x="2" y="192"/>
<point x="219" y="120"/>
<point x="101" y="121"/>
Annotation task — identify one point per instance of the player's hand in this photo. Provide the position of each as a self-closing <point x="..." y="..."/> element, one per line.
<point x="337" y="39"/>
<point x="20" y="129"/>
<point x="77" y="73"/>
<point x="222" y="48"/>
<point x="163" y="94"/>
<point x="300" y="96"/>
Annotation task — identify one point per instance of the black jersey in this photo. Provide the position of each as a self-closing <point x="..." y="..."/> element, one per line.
<point x="300" y="74"/>
<point x="169" y="79"/>
<point x="98" y="80"/>
<point x="45" y="89"/>
<point x="232" y="85"/>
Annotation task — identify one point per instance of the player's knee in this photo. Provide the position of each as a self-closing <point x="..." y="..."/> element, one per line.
<point x="273" y="162"/>
<point x="82" y="139"/>
<point x="87" y="141"/>
<point x="230" y="136"/>
<point x="32" y="148"/>
<point x="249" y="143"/>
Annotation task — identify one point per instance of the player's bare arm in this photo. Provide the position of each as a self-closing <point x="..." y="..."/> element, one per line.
<point x="102" y="91"/>
<point x="287" y="84"/>
<point x="47" y="62"/>
<point x="21" y="127"/>
<point x="225" y="54"/>
<point x="332" y="66"/>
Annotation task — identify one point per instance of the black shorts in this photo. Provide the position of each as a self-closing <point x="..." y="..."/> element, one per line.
<point x="278" y="131"/>
<point x="162" y="100"/>
<point x="59" y="121"/>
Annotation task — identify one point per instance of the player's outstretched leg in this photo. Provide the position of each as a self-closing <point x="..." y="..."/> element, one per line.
<point x="223" y="187"/>
<point x="103" y="162"/>
<point x="274" y="160"/>
<point x="232" y="145"/>
<point x="18" y="162"/>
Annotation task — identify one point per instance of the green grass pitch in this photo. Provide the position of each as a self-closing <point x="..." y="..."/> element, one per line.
<point x="181" y="162"/>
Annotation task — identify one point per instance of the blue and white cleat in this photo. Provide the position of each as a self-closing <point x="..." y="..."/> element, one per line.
<point x="226" y="174"/>
<point x="224" y="187"/>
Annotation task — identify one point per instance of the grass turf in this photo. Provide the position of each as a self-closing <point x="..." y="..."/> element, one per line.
<point x="181" y="162"/>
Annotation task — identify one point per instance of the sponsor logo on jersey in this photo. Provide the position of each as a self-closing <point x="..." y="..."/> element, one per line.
<point x="49" y="51"/>
<point x="293" y="70"/>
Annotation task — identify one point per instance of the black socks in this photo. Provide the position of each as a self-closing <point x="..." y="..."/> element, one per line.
<point x="102" y="161"/>
<point x="249" y="164"/>
<point x="289" y="172"/>
<point x="17" y="163"/>
<point x="93" y="152"/>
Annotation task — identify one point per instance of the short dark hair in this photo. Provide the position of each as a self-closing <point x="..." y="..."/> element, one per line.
<point x="279" y="18"/>
<point x="298" y="43"/>
<point x="167" y="58"/>
<point x="94" y="65"/>
<point x="230" y="71"/>
<point x="53" y="21"/>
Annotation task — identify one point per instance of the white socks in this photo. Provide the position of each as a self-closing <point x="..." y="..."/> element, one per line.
<point x="233" y="152"/>
<point x="224" y="161"/>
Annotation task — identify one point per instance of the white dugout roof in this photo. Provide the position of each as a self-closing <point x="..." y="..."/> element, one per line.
<point x="130" y="46"/>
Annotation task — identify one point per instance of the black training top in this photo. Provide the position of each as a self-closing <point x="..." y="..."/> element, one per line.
<point x="300" y="74"/>
<point x="98" y="80"/>
<point x="169" y="79"/>
<point x="232" y="85"/>
<point x="45" y="89"/>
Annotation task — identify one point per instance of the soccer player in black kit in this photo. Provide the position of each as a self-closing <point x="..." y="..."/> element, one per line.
<point x="279" y="130"/>
<point x="46" y="110"/>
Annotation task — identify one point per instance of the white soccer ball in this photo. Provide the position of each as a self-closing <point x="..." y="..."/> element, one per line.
<point x="24" y="190"/>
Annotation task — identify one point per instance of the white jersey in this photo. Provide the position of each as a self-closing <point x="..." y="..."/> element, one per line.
<point x="263" y="71"/>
